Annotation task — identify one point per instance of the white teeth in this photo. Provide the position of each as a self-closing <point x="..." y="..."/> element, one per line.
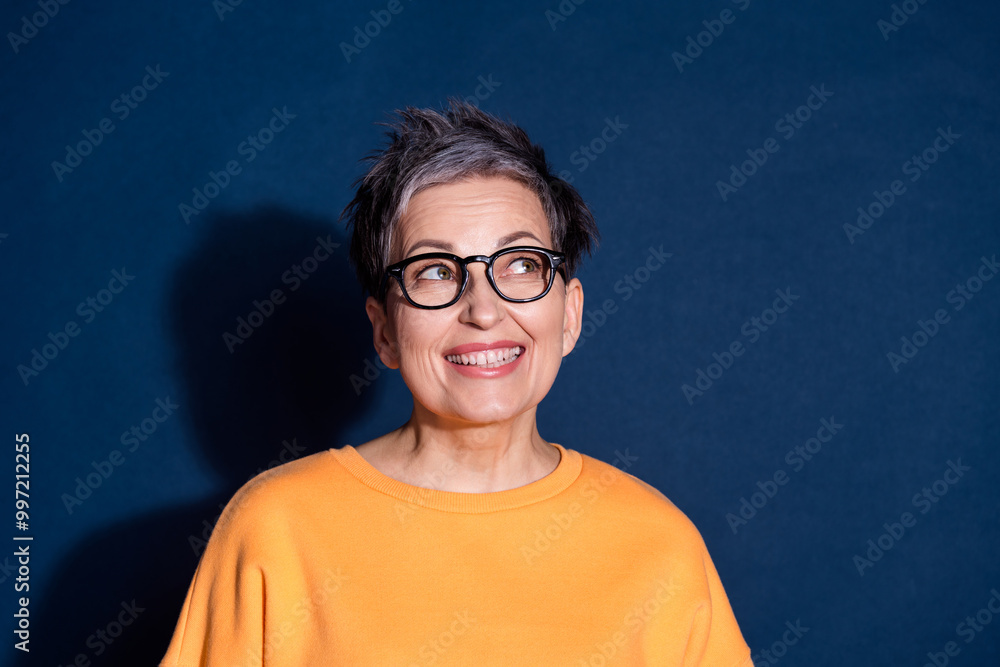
<point x="488" y="359"/>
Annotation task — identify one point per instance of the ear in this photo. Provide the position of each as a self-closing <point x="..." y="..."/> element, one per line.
<point x="382" y="335"/>
<point x="573" y="315"/>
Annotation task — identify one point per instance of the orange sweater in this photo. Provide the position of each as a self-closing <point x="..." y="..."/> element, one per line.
<point x="326" y="561"/>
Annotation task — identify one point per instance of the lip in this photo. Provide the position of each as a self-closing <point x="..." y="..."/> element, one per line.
<point x="482" y="347"/>
<point x="476" y="372"/>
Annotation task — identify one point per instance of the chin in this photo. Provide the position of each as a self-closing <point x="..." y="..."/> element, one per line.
<point x="489" y="414"/>
<point x="483" y="411"/>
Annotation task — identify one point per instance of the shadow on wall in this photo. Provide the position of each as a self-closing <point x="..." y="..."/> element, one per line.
<point x="270" y="390"/>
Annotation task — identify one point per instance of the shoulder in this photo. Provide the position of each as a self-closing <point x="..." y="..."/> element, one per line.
<point x="638" y="505"/>
<point x="643" y="523"/>
<point x="267" y="500"/>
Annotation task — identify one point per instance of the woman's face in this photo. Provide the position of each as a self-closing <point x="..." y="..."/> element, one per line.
<point x="476" y="217"/>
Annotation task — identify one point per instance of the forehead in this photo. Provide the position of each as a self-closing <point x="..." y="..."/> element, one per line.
<point x="471" y="216"/>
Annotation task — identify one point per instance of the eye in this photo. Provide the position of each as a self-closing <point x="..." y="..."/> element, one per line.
<point x="524" y="265"/>
<point x="435" y="272"/>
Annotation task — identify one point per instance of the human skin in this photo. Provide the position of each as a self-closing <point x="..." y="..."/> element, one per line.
<point x="472" y="430"/>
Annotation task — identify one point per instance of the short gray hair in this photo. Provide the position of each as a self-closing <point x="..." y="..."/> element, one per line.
<point x="428" y="147"/>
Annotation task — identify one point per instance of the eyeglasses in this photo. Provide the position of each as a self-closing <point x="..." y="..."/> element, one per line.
<point x="438" y="279"/>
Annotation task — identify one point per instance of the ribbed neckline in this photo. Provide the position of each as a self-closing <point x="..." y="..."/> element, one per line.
<point x="568" y="470"/>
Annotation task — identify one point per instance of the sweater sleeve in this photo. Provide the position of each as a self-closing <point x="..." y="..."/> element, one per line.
<point x="716" y="640"/>
<point x="222" y="620"/>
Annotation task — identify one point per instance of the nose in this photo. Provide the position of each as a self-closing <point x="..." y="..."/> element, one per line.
<point x="480" y="306"/>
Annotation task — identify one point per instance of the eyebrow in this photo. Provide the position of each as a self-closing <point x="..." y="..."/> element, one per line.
<point x="447" y="247"/>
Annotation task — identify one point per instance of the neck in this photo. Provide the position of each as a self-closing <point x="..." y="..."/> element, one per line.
<point x="432" y="452"/>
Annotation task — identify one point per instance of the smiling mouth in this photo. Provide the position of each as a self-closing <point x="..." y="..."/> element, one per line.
<point x="487" y="359"/>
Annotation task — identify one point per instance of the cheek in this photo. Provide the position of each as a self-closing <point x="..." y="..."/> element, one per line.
<point x="547" y="331"/>
<point x="416" y="334"/>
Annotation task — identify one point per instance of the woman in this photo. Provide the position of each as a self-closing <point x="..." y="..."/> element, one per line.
<point x="462" y="537"/>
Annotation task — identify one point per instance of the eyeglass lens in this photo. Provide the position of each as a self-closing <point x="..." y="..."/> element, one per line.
<point x="522" y="274"/>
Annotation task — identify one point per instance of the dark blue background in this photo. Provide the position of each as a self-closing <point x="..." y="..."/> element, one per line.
<point x="655" y="185"/>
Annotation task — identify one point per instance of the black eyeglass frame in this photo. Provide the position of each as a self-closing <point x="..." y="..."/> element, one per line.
<point x="556" y="261"/>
